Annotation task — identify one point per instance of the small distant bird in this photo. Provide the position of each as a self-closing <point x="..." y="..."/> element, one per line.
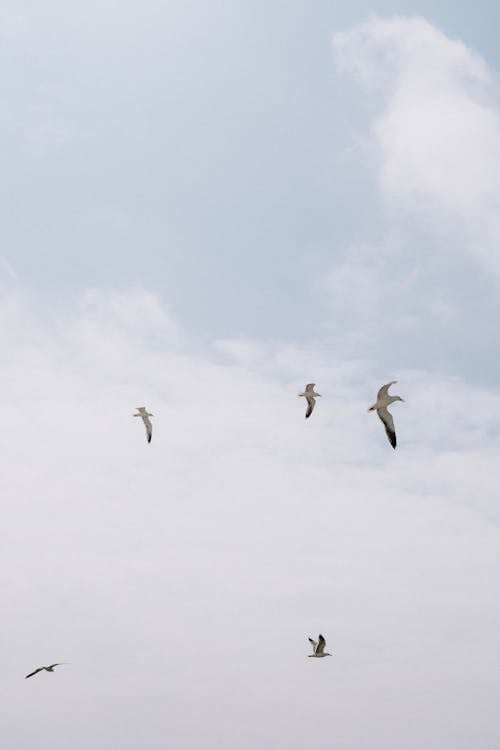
<point x="318" y="648"/>
<point x="309" y="394"/>
<point x="380" y="405"/>
<point x="47" y="669"/>
<point x="142" y="412"/>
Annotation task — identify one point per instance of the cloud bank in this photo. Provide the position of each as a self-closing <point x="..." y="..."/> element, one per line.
<point x="181" y="578"/>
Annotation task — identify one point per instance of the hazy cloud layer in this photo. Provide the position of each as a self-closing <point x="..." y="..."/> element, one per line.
<point x="182" y="578"/>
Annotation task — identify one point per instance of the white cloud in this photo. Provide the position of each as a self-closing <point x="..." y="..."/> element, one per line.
<point x="12" y="22"/>
<point x="138" y="312"/>
<point x="437" y="134"/>
<point x="424" y="289"/>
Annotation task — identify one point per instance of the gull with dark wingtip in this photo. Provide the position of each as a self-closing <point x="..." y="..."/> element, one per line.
<point x="309" y="394"/>
<point x="380" y="406"/>
<point x="145" y="414"/>
<point x="318" y="648"/>
<point x="47" y="669"/>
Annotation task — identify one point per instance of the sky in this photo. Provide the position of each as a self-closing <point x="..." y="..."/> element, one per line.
<point x="205" y="206"/>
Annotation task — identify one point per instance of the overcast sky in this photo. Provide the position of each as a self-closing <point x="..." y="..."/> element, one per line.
<point x="206" y="205"/>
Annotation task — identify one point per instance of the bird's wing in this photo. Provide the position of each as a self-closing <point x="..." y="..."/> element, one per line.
<point x="55" y="665"/>
<point x="321" y="645"/>
<point x="388" y="421"/>
<point x="310" y="387"/>
<point x="311" y="401"/>
<point x="314" y="644"/>
<point x="35" y="672"/>
<point x="149" y="427"/>
<point x="383" y="392"/>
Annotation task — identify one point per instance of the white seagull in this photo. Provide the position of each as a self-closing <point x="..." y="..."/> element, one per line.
<point x="380" y="405"/>
<point x="309" y="394"/>
<point x="318" y="648"/>
<point x="142" y="412"/>
<point x="47" y="669"/>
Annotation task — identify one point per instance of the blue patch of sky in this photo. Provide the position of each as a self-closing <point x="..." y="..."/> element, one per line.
<point x="218" y="173"/>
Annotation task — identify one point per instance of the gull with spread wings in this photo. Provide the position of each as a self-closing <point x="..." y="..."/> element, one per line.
<point x="309" y="394"/>
<point x="145" y="414"/>
<point x="318" y="648"/>
<point x="380" y="406"/>
<point x="47" y="669"/>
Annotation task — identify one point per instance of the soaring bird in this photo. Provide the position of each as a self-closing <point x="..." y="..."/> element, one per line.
<point x="47" y="669"/>
<point x="144" y="414"/>
<point x="380" y="406"/>
<point x="309" y="394"/>
<point x="318" y="648"/>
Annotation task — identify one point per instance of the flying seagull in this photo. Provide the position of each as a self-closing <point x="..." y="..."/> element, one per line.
<point x="309" y="394"/>
<point x="318" y="648"/>
<point x="380" y="405"/>
<point x="142" y="412"/>
<point x="47" y="669"/>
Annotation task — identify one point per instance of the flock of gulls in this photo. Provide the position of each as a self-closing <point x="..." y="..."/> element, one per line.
<point x="380" y="406"/>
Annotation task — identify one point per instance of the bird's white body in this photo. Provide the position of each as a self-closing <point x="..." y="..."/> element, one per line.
<point x="383" y="403"/>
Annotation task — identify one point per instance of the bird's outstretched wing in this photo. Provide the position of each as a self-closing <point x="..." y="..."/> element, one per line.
<point x="149" y="427"/>
<point x="314" y="644"/>
<point x="321" y="644"/>
<point x="388" y="421"/>
<point x="40" y="669"/>
<point x="383" y="392"/>
<point x="311" y="402"/>
<point x="143" y="413"/>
